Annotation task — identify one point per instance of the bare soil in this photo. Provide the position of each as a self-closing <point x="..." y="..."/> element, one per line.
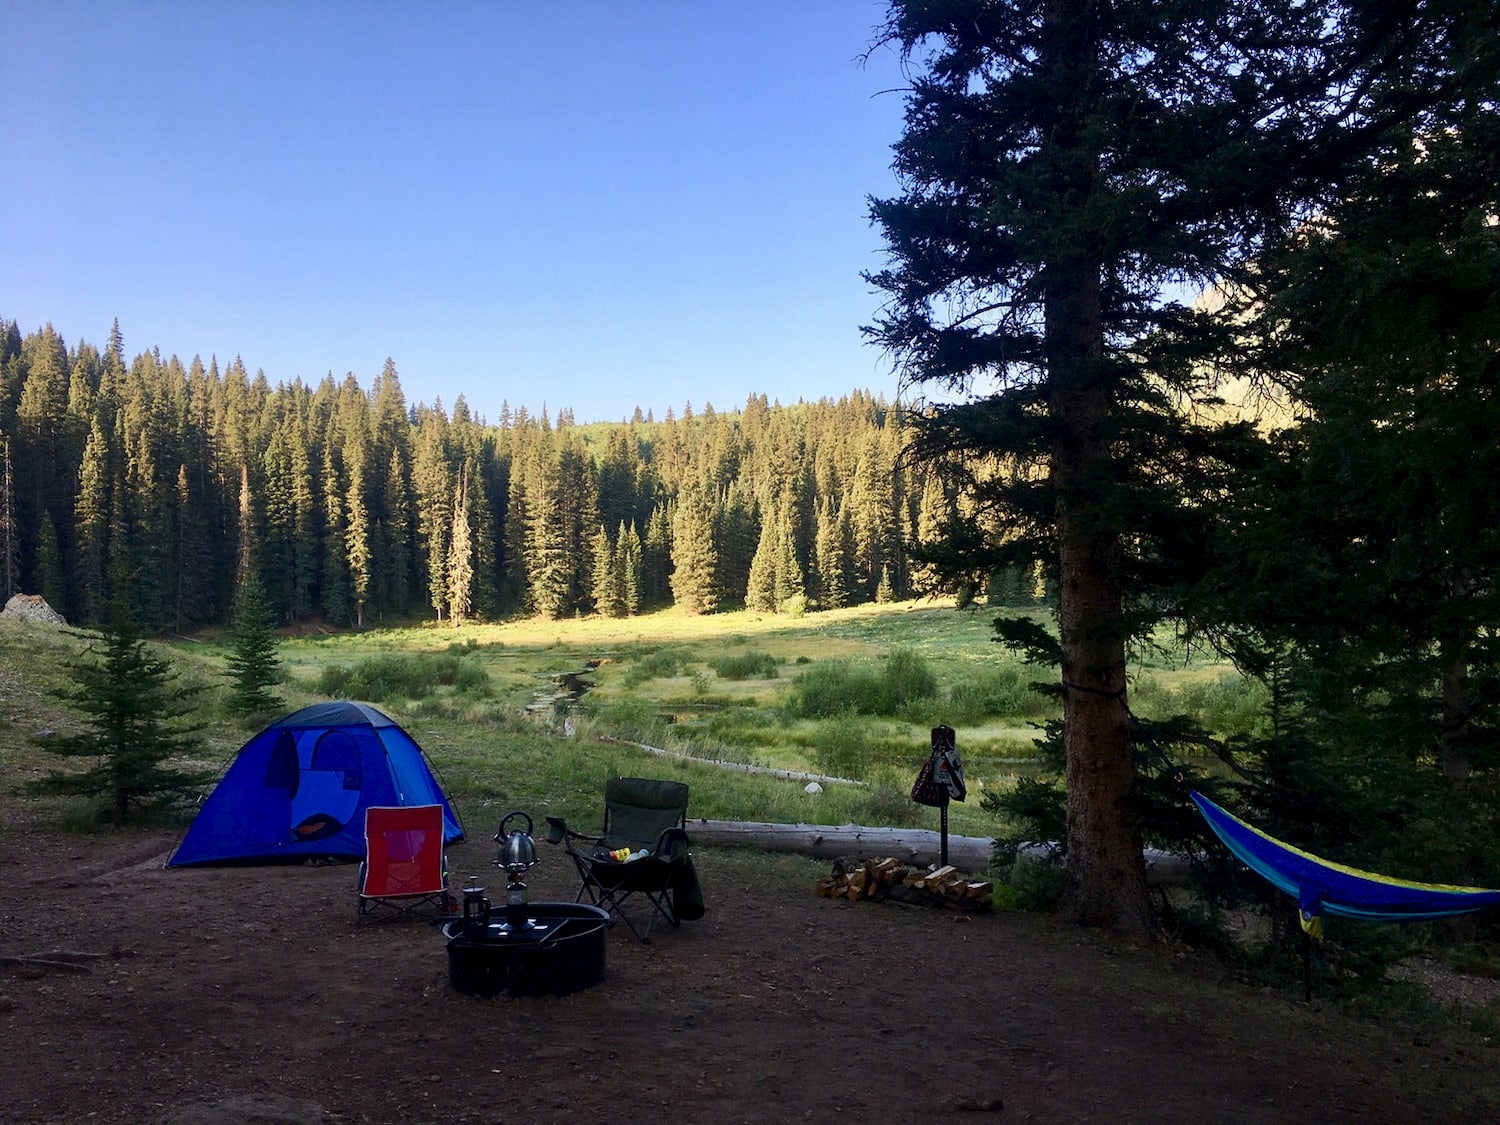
<point x="237" y="995"/>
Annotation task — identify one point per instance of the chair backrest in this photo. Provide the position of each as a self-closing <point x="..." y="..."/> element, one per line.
<point x="637" y="810"/>
<point x="403" y="851"/>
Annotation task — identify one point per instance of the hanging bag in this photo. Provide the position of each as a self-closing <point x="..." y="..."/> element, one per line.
<point x="926" y="790"/>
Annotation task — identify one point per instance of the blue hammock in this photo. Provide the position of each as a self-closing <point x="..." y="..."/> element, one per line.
<point x="1321" y="887"/>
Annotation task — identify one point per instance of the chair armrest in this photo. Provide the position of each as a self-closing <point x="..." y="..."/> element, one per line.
<point x="672" y="844"/>
<point x="558" y="832"/>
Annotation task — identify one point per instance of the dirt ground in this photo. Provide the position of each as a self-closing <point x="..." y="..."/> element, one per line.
<point x="249" y="995"/>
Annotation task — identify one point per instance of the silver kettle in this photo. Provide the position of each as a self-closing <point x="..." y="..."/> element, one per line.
<point x="517" y="851"/>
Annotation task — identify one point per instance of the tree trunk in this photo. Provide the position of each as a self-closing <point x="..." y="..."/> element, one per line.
<point x="1106" y="884"/>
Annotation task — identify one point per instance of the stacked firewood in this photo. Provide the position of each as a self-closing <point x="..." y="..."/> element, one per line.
<point x="893" y="880"/>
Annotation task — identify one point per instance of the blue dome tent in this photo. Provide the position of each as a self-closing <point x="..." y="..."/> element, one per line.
<point x="299" y="789"/>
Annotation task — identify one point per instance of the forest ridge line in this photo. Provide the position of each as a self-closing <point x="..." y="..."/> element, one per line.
<point x="354" y="507"/>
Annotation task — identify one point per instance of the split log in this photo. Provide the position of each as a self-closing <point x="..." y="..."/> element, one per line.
<point x="936" y="886"/>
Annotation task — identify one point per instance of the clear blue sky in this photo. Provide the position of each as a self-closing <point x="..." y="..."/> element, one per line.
<point x="597" y="205"/>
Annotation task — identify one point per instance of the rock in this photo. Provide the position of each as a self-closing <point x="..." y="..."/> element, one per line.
<point x="813" y="788"/>
<point x="32" y="607"/>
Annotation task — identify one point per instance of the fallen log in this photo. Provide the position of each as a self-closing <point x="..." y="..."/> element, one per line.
<point x="828" y="841"/>
<point x="741" y="767"/>
<point x="912" y="846"/>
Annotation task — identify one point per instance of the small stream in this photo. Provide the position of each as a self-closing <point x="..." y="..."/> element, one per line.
<point x="566" y="690"/>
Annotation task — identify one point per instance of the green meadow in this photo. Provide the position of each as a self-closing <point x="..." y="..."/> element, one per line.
<point x="850" y="694"/>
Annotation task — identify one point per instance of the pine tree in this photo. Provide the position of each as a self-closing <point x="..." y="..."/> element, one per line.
<point x="760" y="590"/>
<point x="460" y="556"/>
<point x="253" y="665"/>
<point x="791" y="581"/>
<point x="1370" y="567"/>
<point x="9" y="532"/>
<point x="1062" y="164"/>
<point x="132" y="704"/>
<point x="606" y="586"/>
<point x="628" y="563"/>
<point x="549" y="566"/>
<point x="694" y="558"/>
<point x="337" y="596"/>
<point x="432" y="483"/>
<point x="656" y="558"/>
<point x="833" y="548"/>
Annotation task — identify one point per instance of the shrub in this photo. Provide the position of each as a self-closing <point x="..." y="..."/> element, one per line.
<point x="843" y="750"/>
<point x="662" y="663"/>
<point x="1036" y="883"/>
<point x="746" y="666"/>
<point x="908" y="679"/>
<point x="404" y="676"/>
<point x="631" y="718"/>
<point x="832" y="688"/>
<point x="992" y="692"/>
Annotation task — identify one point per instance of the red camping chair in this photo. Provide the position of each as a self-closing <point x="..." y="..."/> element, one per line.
<point x="405" y="867"/>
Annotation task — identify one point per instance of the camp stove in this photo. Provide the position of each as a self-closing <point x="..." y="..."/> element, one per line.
<point x="517" y="855"/>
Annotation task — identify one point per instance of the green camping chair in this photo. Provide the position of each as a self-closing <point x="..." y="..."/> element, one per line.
<point x="640" y="815"/>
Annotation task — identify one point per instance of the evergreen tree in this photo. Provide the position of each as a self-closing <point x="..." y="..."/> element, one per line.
<point x="248" y="558"/>
<point x="337" y="595"/>
<point x="578" y="512"/>
<point x="254" y="669"/>
<point x="549" y="566"/>
<point x="833" y="548"/>
<point x="9" y="531"/>
<point x="1368" y="577"/>
<point x="433" y="487"/>
<point x="734" y="540"/>
<point x="628" y="565"/>
<point x="656" y="558"/>
<point x="307" y="525"/>
<point x="791" y="581"/>
<point x="606" y="584"/>
<point x="37" y="429"/>
<point x="1061" y="165"/>
<point x="694" y="579"/>
<point x="461" y="556"/>
<point x="760" y="591"/>
<point x="132" y="704"/>
<point x="91" y="520"/>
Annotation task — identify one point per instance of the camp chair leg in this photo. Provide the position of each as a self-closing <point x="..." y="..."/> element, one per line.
<point x="359" y="899"/>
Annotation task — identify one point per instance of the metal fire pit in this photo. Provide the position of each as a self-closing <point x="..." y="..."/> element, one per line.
<point x="559" y="950"/>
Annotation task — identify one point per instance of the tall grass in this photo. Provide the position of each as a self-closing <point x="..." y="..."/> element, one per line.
<point x="392" y="676"/>
<point x="834" y="688"/>
<point x="746" y="666"/>
<point x="1225" y="704"/>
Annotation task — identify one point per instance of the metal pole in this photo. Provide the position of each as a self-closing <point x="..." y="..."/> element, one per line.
<point x="1306" y="967"/>
<point x="943" y="808"/>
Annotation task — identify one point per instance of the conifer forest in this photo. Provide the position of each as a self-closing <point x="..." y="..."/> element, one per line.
<point x="174" y="482"/>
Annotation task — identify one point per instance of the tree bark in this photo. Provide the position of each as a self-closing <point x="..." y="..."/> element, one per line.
<point x="1106" y="883"/>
